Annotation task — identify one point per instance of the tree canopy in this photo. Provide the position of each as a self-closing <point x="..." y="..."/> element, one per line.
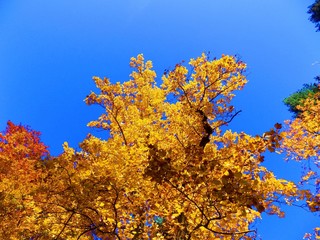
<point x="314" y="10"/>
<point x="171" y="169"/>
<point x="297" y="99"/>
<point x="20" y="158"/>
<point x="302" y="143"/>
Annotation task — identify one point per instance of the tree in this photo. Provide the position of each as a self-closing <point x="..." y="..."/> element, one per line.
<point x="171" y="168"/>
<point x="301" y="142"/>
<point x="170" y="156"/>
<point x="296" y="99"/>
<point x="314" y="10"/>
<point x="20" y="154"/>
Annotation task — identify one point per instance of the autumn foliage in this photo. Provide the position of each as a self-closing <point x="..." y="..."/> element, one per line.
<point x="171" y="168"/>
<point x="302" y="143"/>
<point x="20" y="155"/>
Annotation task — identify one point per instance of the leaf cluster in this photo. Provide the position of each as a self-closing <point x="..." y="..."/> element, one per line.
<point x="171" y="169"/>
<point x="296" y="99"/>
<point x="314" y="10"/>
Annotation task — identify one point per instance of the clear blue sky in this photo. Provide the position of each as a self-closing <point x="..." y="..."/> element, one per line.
<point x="49" y="51"/>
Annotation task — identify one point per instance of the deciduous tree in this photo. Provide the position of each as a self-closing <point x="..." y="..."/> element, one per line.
<point x="172" y="168"/>
<point x="301" y="142"/>
<point x="20" y="157"/>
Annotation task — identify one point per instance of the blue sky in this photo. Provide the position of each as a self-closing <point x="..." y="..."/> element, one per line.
<point x="49" y="51"/>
